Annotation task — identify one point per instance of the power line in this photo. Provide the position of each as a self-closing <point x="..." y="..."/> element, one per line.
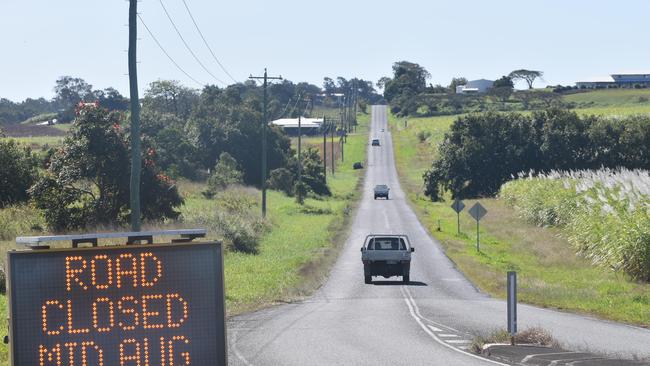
<point x="188" y="46"/>
<point x="284" y="110"/>
<point x="167" y="54"/>
<point x="206" y="43"/>
<point x="296" y="104"/>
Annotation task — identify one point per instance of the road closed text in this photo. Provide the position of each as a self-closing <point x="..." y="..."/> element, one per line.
<point x="118" y="308"/>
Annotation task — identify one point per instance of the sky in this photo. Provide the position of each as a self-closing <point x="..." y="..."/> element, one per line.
<point x="569" y="40"/>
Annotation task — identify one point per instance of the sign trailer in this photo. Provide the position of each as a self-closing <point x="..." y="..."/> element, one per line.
<point x="136" y="304"/>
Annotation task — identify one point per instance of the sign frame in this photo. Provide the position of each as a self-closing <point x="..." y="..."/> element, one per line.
<point x="219" y="260"/>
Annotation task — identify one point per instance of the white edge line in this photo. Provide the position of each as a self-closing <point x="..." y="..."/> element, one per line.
<point x="417" y="311"/>
<point x="432" y="335"/>
<point x="235" y="350"/>
<point x="545" y="354"/>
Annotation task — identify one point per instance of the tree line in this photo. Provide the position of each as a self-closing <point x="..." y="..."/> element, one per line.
<point x="408" y="93"/>
<point x="213" y="135"/>
<point x="482" y="151"/>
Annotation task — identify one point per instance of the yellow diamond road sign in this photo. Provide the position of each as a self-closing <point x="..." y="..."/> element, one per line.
<point x="477" y="211"/>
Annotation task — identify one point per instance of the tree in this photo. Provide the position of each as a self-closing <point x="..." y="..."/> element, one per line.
<point x="526" y="97"/>
<point x="225" y="173"/>
<point x="87" y="182"/>
<point x="529" y="76"/>
<point x="457" y="82"/>
<point x="500" y="93"/>
<point x="503" y="82"/>
<point x="409" y="79"/>
<point x="329" y="86"/>
<point x="18" y="172"/>
<point x="69" y="92"/>
<point x="548" y="99"/>
<point x="169" y="96"/>
<point x="111" y="99"/>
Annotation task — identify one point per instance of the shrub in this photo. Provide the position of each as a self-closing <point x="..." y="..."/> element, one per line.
<point x="225" y="173"/>
<point x="282" y="179"/>
<point x="234" y="218"/>
<point x="17" y="220"/>
<point x="301" y="192"/>
<point x="423" y="135"/>
<point x="17" y="174"/>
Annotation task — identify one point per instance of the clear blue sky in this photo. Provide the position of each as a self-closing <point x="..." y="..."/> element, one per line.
<point x="569" y="40"/>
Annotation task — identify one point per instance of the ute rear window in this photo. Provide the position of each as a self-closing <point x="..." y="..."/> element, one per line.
<point x="387" y="244"/>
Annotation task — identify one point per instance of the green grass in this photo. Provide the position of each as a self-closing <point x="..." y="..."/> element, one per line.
<point x="611" y="102"/>
<point x="37" y="142"/>
<point x="610" y="97"/>
<point x="550" y="272"/>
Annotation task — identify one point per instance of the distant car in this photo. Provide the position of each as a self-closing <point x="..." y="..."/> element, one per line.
<point x="381" y="190"/>
<point x="386" y="256"/>
<point x="382" y="130"/>
<point x="375" y="142"/>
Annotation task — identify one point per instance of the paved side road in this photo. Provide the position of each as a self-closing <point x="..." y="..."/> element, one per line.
<point x="544" y="356"/>
<point x="431" y="321"/>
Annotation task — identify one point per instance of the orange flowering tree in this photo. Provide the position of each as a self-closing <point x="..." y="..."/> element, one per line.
<point x="87" y="181"/>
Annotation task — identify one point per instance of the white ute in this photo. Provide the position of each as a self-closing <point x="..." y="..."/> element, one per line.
<point x="386" y="255"/>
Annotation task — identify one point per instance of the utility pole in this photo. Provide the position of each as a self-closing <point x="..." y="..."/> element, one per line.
<point x="332" y="128"/>
<point x="136" y="159"/>
<point x="265" y="123"/>
<point x="325" y="148"/>
<point x="299" y="149"/>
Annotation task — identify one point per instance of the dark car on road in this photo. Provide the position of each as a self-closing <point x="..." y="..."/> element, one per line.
<point x="381" y="190"/>
<point x="375" y="142"/>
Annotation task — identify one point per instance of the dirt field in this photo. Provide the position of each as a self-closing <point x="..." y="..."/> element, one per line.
<point x="31" y="131"/>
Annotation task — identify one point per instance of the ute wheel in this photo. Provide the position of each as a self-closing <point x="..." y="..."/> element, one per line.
<point x="368" y="279"/>
<point x="406" y="279"/>
<point x="375" y="197"/>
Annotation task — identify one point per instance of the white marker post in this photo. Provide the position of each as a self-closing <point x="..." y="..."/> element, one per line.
<point x="512" y="305"/>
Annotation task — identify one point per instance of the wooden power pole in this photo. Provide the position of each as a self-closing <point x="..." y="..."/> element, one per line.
<point x="265" y="123"/>
<point x="136" y="159"/>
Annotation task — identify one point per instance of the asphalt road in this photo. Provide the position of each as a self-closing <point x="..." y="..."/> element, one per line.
<point x="429" y="322"/>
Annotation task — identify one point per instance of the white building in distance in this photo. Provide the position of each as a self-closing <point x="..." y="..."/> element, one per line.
<point x="475" y="86"/>
<point x="308" y="126"/>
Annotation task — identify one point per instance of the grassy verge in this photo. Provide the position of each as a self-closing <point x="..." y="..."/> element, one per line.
<point x="296" y="253"/>
<point x="550" y="273"/>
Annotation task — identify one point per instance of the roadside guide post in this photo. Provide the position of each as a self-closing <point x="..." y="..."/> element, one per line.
<point x="458" y="206"/>
<point x="512" y="305"/>
<point x="477" y="212"/>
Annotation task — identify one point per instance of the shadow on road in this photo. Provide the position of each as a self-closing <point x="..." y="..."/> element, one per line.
<point x="398" y="283"/>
